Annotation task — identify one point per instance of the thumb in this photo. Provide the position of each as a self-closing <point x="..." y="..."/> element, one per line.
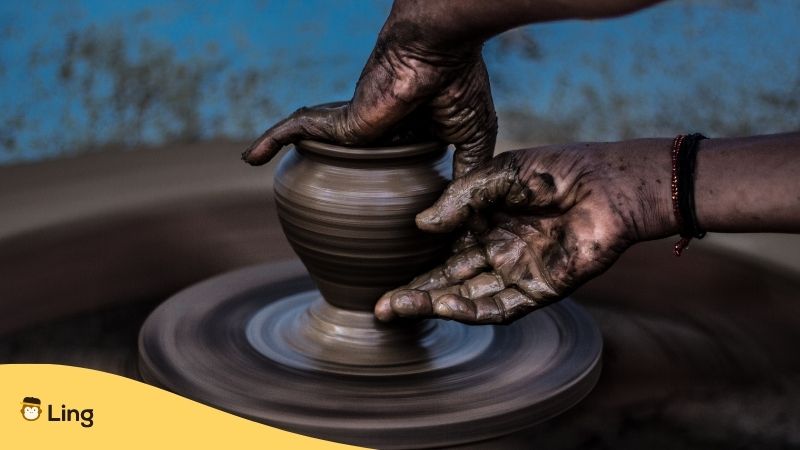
<point x="472" y="192"/>
<point x="319" y="122"/>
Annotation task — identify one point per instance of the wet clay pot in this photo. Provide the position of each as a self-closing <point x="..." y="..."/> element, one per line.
<point x="349" y="215"/>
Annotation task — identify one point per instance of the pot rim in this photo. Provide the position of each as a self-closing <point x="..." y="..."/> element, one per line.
<point x="370" y="153"/>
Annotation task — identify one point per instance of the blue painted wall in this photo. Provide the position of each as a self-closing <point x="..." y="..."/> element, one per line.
<point x="85" y="75"/>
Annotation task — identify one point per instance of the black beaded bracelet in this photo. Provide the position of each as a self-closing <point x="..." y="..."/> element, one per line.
<point x="684" y="158"/>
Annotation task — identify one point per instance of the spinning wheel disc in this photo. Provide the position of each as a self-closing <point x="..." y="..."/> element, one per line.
<point x="258" y="342"/>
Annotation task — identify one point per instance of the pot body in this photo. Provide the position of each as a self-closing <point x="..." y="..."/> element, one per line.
<point x="349" y="215"/>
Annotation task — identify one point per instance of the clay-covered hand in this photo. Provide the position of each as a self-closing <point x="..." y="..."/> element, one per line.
<point x="411" y="73"/>
<point x="539" y="222"/>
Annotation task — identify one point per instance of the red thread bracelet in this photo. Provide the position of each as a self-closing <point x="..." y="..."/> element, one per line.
<point x="677" y="143"/>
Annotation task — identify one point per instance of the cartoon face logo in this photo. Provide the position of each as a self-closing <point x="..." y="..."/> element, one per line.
<point x="31" y="408"/>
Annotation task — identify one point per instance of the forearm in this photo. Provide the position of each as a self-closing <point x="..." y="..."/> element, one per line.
<point x="749" y="184"/>
<point x="455" y="21"/>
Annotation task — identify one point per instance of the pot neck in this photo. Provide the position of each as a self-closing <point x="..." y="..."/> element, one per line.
<point x="370" y="154"/>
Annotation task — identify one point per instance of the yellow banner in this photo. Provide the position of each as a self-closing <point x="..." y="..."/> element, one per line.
<point x="63" y="407"/>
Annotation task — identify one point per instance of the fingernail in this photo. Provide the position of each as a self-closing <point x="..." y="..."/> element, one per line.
<point x="245" y="154"/>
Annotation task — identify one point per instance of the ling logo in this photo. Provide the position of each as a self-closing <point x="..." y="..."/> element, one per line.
<point x="32" y="409"/>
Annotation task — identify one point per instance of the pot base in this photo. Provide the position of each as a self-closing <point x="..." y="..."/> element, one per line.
<point x="260" y="343"/>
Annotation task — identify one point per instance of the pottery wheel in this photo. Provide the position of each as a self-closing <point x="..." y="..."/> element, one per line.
<point x="260" y="343"/>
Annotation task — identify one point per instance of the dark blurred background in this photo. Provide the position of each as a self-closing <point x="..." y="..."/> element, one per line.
<point x="120" y="183"/>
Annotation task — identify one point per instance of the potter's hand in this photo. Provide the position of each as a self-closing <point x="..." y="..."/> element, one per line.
<point x="444" y="83"/>
<point x="427" y="61"/>
<point x="541" y="222"/>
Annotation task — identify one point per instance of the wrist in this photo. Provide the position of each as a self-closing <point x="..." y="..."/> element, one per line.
<point x="643" y="170"/>
<point x="430" y="27"/>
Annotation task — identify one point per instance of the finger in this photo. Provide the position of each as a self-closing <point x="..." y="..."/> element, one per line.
<point x="474" y="296"/>
<point x="419" y="302"/>
<point x="462" y="309"/>
<point x="383" y="307"/>
<point x="323" y="122"/>
<point x="482" y="285"/>
<point x="459" y="267"/>
<point x="473" y="192"/>
<point x="433" y="279"/>
<point x="464" y="265"/>
<point x="465" y="117"/>
<point x="411" y="303"/>
<point x="503" y="307"/>
<point x="480" y="300"/>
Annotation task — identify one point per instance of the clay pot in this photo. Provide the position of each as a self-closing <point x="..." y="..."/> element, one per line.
<point x="349" y="215"/>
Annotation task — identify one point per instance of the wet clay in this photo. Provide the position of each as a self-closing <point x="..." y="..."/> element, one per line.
<point x="349" y="215"/>
<point x="299" y="348"/>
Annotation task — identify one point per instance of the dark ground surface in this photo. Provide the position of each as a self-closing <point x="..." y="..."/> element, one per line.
<point x="700" y="352"/>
